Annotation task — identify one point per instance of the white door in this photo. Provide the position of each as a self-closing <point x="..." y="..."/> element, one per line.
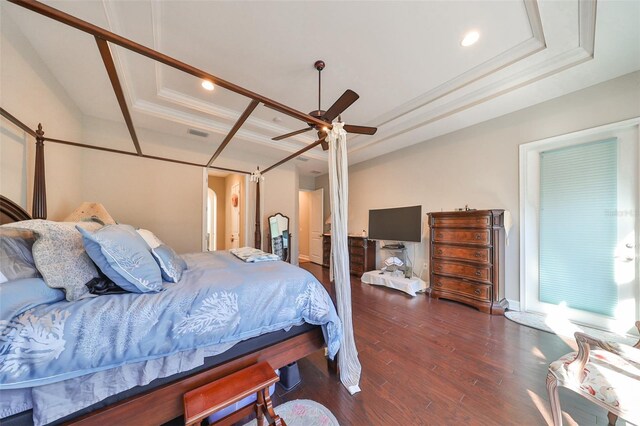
<point x="316" y="224"/>
<point x="584" y="266"/>
<point x="235" y="216"/>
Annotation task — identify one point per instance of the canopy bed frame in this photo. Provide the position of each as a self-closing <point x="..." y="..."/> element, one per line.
<point x="166" y="400"/>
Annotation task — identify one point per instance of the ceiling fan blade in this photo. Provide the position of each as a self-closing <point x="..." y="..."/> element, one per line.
<point x="297" y="132"/>
<point x="343" y="102"/>
<point x="361" y="130"/>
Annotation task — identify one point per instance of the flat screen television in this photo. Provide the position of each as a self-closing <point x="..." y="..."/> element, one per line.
<point x="402" y="224"/>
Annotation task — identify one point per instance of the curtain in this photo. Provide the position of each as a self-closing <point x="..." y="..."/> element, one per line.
<point x="348" y="362"/>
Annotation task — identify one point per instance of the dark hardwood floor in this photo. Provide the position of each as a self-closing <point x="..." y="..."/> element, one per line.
<point x="435" y="362"/>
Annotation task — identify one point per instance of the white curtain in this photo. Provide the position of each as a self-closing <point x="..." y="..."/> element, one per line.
<point x="348" y="362"/>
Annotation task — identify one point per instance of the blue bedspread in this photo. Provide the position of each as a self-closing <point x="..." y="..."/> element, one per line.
<point x="220" y="299"/>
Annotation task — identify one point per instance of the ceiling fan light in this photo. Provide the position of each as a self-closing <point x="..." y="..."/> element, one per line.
<point x="470" y="38"/>
<point x="207" y="85"/>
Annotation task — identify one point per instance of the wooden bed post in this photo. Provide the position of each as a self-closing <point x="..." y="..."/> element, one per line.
<point x="258" y="232"/>
<point x="39" y="208"/>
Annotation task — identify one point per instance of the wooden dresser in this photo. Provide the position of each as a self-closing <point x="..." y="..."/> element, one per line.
<point x="362" y="254"/>
<point x="467" y="258"/>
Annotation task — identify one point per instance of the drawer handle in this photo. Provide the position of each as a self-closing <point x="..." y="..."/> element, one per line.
<point x="439" y="251"/>
<point x="477" y="291"/>
<point x="477" y="254"/>
<point x="478" y="236"/>
<point x="439" y="267"/>
<point x="439" y="235"/>
<point x="478" y="273"/>
<point x="438" y="284"/>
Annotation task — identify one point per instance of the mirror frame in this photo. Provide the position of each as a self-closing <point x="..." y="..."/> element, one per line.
<point x="287" y="250"/>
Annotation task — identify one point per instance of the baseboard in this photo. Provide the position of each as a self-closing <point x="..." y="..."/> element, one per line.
<point x="513" y="305"/>
<point x="304" y="258"/>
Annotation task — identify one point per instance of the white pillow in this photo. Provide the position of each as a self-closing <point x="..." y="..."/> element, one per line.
<point x="149" y="238"/>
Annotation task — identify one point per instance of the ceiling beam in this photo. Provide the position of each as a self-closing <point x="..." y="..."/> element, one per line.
<point x="151" y="157"/>
<point x="96" y="31"/>
<point x="247" y="112"/>
<point x="17" y="122"/>
<point x="107" y="58"/>
<point x="294" y="155"/>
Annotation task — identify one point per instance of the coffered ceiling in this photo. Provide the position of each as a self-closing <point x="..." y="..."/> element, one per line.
<point x="404" y="59"/>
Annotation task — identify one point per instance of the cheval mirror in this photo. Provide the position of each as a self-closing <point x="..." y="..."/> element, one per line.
<point x="279" y="236"/>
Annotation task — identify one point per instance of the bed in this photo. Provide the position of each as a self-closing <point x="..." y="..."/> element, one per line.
<point x="270" y="311"/>
<point x="279" y="348"/>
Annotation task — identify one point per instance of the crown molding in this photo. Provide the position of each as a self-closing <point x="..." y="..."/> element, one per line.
<point x="419" y="117"/>
<point x="191" y="120"/>
<point x="515" y="54"/>
<point x="190" y="102"/>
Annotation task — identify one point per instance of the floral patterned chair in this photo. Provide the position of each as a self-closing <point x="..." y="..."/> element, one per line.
<point x="608" y="376"/>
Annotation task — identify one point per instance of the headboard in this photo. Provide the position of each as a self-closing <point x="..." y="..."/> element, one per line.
<point x="11" y="212"/>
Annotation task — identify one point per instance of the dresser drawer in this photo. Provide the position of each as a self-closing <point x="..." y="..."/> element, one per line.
<point x="480" y="237"/>
<point x="462" y="222"/>
<point x="472" y="272"/>
<point x="356" y="259"/>
<point x="357" y="242"/>
<point x="357" y="268"/>
<point x="480" y="254"/>
<point x="464" y="288"/>
<point x="357" y="250"/>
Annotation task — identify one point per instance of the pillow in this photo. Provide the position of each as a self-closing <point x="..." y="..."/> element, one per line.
<point x="16" y="260"/>
<point x="19" y="295"/>
<point x="60" y="257"/>
<point x="149" y="238"/>
<point x="124" y="257"/>
<point x="171" y="265"/>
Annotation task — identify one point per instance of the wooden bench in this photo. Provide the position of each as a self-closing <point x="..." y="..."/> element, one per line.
<point x="202" y="402"/>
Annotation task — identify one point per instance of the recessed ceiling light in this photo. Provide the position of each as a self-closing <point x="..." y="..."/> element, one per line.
<point x="207" y="85"/>
<point x="470" y="38"/>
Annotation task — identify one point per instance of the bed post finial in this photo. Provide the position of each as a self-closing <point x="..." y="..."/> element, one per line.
<point x="39" y="208"/>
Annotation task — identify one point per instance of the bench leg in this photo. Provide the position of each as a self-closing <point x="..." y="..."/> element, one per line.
<point x="552" y="391"/>
<point x="264" y="401"/>
<point x="259" y="409"/>
<point x="613" y="418"/>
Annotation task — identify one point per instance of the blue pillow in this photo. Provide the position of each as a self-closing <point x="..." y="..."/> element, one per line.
<point x="124" y="257"/>
<point x="16" y="260"/>
<point x="19" y="295"/>
<point x="171" y="265"/>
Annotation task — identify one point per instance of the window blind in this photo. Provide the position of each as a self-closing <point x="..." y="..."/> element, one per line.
<point x="578" y="226"/>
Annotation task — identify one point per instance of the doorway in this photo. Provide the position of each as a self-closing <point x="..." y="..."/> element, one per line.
<point x="212" y="219"/>
<point x="311" y="224"/>
<point x="225" y="211"/>
<point x="303" y="231"/>
<point x="579" y="198"/>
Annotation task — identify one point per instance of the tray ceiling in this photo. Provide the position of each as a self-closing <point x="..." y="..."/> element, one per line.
<point x="404" y="59"/>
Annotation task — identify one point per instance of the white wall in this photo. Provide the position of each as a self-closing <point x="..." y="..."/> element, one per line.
<point x="478" y="165"/>
<point x="307" y="182"/>
<point x="30" y="93"/>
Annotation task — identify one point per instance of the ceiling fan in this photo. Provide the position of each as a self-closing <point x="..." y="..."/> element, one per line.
<point x="343" y="102"/>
